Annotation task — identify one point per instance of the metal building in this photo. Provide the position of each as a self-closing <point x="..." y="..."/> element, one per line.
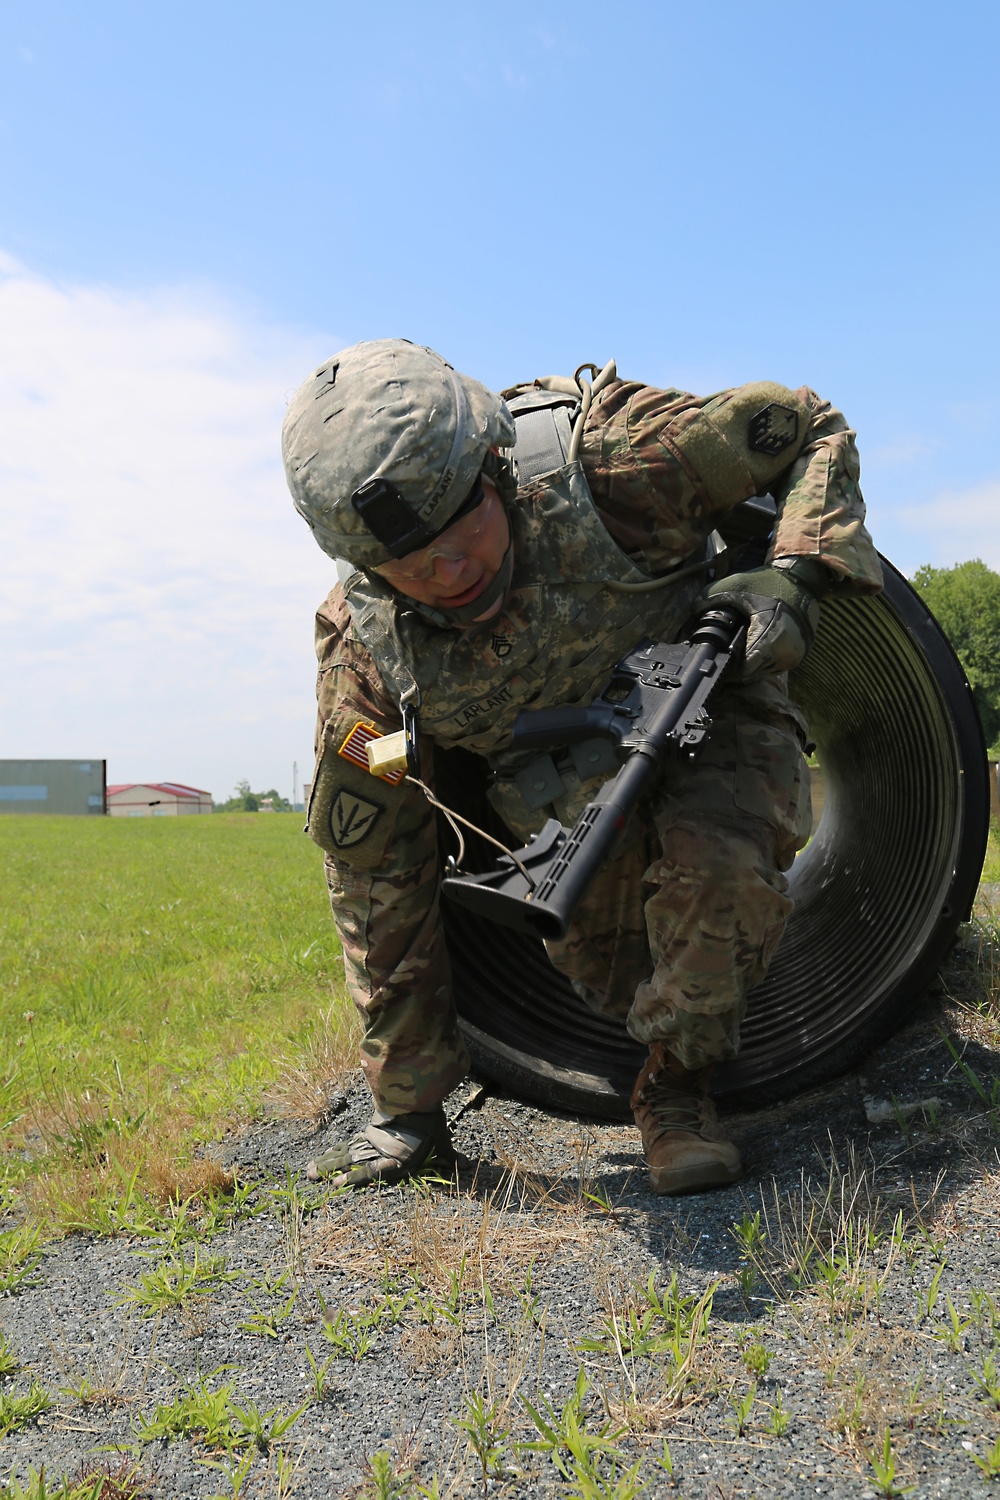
<point x="53" y="786"/>
<point x="156" y="799"/>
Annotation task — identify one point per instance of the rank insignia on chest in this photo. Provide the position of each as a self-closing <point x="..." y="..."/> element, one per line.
<point x="774" y="429"/>
<point x="501" y="646"/>
<point x="354" y="749"/>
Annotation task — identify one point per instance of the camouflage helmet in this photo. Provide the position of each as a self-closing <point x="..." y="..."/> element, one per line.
<point x="392" y="420"/>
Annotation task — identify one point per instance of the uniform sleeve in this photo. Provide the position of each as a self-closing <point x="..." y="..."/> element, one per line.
<point x="665" y="467"/>
<point x="821" y="511"/>
<point x="380" y="840"/>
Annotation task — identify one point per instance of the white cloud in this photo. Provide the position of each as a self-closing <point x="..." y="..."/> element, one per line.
<point x="953" y="527"/>
<point x="903" y="452"/>
<point x="156" y="587"/>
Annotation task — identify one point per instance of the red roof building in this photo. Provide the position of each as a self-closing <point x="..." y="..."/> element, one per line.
<point x="156" y="799"/>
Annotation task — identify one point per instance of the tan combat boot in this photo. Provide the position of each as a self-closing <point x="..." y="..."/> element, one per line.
<point x="686" y="1147"/>
<point x="391" y="1148"/>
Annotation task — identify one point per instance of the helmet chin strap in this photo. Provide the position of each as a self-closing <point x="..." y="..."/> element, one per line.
<point x="468" y="614"/>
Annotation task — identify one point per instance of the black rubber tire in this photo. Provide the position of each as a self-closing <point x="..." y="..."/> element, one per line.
<point x="880" y="890"/>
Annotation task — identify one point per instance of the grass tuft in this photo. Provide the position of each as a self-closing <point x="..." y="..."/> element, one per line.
<point x="214" y="1418"/>
<point x="313" y="1074"/>
<point x="17" y="1411"/>
<point x="113" y="1482"/>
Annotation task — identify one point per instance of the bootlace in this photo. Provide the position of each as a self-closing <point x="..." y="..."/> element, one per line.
<point x="673" y="1110"/>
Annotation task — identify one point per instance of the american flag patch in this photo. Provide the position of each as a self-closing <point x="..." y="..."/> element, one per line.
<point x="353" y="749"/>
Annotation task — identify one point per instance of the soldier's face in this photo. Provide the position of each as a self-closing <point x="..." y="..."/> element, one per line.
<point x="461" y="563"/>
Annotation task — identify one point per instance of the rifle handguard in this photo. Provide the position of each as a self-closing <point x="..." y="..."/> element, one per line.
<point x="659" y="694"/>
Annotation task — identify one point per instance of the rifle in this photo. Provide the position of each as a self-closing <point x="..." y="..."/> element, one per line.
<point x="654" y="705"/>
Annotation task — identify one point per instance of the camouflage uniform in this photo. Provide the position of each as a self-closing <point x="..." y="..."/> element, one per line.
<point x="683" y="921"/>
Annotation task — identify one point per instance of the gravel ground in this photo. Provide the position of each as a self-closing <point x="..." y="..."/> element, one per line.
<point x="489" y="1285"/>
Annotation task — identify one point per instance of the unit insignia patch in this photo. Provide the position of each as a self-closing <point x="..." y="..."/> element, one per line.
<point x="352" y="818"/>
<point x="774" y="429"/>
<point x="353" y="749"/>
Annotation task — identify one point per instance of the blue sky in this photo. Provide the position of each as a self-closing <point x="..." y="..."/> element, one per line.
<point x="200" y="202"/>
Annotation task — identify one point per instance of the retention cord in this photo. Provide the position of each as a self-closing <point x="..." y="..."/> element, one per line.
<point x="455" y="818"/>
<point x="649" y="584"/>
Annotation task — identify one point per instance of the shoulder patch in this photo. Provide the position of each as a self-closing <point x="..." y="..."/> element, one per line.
<point x="773" y="429"/>
<point x="353" y="749"/>
<point x="352" y="817"/>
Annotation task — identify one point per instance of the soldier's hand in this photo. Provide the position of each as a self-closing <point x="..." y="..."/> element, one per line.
<point x="781" y="605"/>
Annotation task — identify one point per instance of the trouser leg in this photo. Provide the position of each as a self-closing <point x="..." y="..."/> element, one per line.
<point x="606" y="951"/>
<point x="715" y="915"/>
<point x="412" y="1052"/>
<point x="678" y="928"/>
<point x="718" y="901"/>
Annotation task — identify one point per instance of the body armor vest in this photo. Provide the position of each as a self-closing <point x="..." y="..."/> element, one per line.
<point x="553" y="643"/>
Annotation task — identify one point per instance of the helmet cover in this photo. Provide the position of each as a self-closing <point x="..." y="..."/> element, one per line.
<point x="386" y="410"/>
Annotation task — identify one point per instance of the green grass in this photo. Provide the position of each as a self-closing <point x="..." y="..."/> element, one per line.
<point x="155" y="976"/>
<point x="991" y="869"/>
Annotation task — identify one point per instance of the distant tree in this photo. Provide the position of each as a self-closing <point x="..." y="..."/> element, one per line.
<point x="965" y="601"/>
<point x="277" y="801"/>
<point x="244" y="800"/>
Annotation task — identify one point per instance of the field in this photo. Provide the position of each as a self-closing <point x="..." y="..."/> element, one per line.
<point x="182" y="1315"/>
<point x="991" y="869"/>
<point x="156" y="976"/>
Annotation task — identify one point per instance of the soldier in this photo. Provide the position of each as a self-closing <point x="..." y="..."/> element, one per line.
<point x="506" y="552"/>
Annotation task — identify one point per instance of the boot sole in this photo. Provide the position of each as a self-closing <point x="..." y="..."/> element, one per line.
<point x="671" y="1184"/>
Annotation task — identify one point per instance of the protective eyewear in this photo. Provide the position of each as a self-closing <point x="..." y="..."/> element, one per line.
<point x="453" y="544"/>
<point x="388" y="515"/>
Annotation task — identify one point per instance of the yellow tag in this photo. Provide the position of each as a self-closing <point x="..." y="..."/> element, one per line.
<point x="355" y="749"/>
<point x="388" y="753"/>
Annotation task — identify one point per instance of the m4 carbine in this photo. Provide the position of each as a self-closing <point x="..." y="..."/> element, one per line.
<point x="655" y="705"/>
